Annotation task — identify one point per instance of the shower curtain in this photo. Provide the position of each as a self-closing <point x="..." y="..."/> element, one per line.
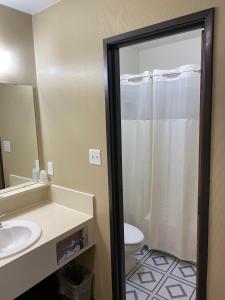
<point x="160" y="132"/>
<point x="136" y="113"/>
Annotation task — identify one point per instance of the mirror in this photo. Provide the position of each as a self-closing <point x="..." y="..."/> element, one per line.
<point x="19" y="148"/>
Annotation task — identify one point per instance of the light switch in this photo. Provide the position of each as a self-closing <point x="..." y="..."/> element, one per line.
<point x="6" y="146"/>
<point x="94" y="157"/>
<point x="50" y="168"/>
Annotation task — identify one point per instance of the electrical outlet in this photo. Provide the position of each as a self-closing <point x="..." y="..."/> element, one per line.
<point x="95" y="157"/>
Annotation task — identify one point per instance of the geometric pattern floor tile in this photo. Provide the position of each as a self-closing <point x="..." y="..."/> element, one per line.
<point x="158" y="276"/>
<point x="159" y="261"/>
<point x="141" y="254"/>
<point x="185" y="271"/>
<point x="145" y="277"/>
<point x="174" y="289"/>
<point x="132" y="293"/>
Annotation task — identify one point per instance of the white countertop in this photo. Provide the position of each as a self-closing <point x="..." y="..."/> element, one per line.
<point x="54" y="220"/>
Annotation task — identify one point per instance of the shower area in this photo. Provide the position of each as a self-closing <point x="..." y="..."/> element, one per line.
<point x="160" y="84"/>
<point x="160" y="138"/>
<point x="158" y="109"/>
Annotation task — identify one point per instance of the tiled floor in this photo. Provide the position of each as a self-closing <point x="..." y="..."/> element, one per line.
<point x="160" y="277"/>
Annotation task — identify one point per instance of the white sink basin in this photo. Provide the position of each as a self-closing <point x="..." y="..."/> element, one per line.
<point x="16" y="236"/>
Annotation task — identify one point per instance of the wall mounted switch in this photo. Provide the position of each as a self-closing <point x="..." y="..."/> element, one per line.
<point x="6" y="146"/>
<point x="95" y="157"/>
<point x="50" y="168"/>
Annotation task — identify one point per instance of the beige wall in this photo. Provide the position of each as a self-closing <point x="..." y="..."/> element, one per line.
<point x="17" y="125"/>
<point x="69" y="57"/>
<point x="16" y="37"/>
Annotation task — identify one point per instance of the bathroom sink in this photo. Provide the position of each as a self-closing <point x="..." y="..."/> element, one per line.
<point x="16" y="236"/>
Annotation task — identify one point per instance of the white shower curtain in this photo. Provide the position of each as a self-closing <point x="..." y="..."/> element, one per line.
<point x="136" y="110"/>
<point x="160" y="159"/>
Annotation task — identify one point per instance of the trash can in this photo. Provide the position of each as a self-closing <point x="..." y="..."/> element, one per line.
<point x="75" y="282"/>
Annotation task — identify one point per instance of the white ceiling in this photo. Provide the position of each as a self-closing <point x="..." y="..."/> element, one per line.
<point x="168" y="40"/>
<point x="29" y="6"/>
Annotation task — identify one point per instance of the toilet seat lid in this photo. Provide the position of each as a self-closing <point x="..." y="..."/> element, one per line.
<point x="132" y="235"/>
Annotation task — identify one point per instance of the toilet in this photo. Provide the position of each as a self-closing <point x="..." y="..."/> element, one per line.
<point x="134" y="242"/>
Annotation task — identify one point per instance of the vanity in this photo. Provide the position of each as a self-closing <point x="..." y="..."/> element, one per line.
<point x="63" y="228"/>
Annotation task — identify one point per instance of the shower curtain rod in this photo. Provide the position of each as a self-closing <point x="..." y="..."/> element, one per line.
<point x="151" y="76"/>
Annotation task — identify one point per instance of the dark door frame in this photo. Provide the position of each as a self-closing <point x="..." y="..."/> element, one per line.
<point x="202" y="19"/>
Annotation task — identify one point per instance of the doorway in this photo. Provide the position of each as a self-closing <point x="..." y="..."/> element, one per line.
<point x="158" y="134"/>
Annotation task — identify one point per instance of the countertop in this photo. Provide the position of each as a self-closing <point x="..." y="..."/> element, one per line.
<point x="54" y="220"/>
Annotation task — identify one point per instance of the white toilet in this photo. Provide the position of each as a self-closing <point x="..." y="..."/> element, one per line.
<point x="134" y="241"/>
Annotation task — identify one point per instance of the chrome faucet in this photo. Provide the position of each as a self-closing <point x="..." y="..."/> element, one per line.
<point x="2" y="214"/>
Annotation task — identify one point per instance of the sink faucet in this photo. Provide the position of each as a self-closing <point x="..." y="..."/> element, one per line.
<point x="2" y="214"/>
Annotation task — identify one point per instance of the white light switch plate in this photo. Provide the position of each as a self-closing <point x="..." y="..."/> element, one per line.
<point x="95" y="157"/>
<point x="6" y="146"/>
<point x="50" y="168"/>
